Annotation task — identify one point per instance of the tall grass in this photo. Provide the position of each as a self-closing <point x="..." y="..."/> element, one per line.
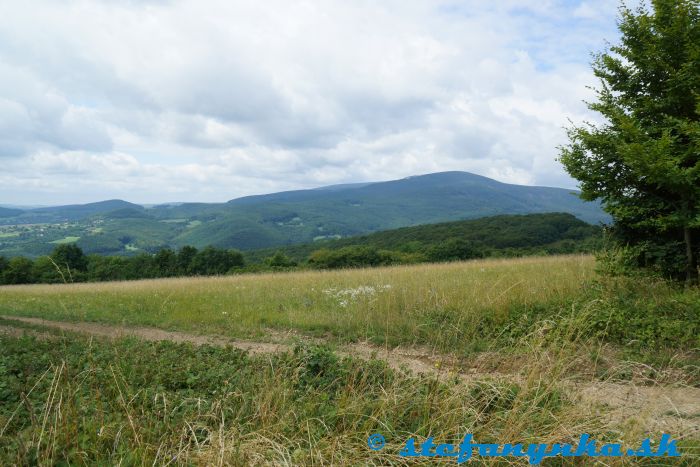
<point x="436" y="304"/>
<point x="74" y="401"/>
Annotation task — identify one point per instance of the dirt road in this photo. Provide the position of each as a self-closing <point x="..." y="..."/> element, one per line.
<point x="670" y="409"/>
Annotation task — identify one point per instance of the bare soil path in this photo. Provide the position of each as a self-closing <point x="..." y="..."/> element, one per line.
<point x="670" y="409"/>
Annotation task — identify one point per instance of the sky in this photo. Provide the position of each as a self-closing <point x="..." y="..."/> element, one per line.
<point x="208" y="100"/>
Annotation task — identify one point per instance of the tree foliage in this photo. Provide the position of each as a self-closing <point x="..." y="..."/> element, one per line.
<point x="67" y="263"/>
<point x="70" y="257"/>
<point x="643" y="162"/>
<point x="280" y="261"/>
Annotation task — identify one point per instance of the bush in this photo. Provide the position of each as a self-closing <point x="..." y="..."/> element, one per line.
<point x="347" y="257"/>
<point x="320" y="367"/>
<point x="643" y="259"/>
<point x="454" y="249"/>
<point x="18" y="271"/>
<point x="280" y="261"/>
<point x="646" y="313"/>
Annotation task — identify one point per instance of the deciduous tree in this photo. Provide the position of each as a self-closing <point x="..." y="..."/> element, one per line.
<point x="643" y="162"/>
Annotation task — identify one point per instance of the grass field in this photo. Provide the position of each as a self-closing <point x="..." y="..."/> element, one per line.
<point x="439" y="305"/>
<point x="66" y="240"/>
<point x="519" y="350"/>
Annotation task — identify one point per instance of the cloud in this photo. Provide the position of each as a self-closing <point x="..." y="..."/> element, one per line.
<point x="33" y="115"/>
<point x="205" y="101"/>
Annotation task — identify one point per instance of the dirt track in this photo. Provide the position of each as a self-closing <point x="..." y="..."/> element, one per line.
<point x="668" y="409"/>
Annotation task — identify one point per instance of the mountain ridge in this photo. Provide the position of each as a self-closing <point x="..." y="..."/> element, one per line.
<point x="289" y="217"/>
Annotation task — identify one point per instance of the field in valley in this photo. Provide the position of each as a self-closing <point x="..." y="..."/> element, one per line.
<point x="299" y="368"/>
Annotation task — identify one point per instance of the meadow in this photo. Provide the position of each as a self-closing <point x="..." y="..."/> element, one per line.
<point x="442" y="305"/>
<point x="537" y="349"/>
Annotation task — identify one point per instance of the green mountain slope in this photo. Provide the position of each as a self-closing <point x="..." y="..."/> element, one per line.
<point x="305" y="215"/>
<point x="9" y="212"/>
<point x="525" y="233"/>
<point x="286" y="218"/>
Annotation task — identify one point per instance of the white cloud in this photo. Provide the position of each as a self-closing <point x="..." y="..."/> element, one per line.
<point x="208" y="100"/>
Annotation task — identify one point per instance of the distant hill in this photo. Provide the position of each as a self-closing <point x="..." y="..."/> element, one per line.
<point x="73" y="212"/>
<point x="286" y="218"/>
<point x="127" y="213"/>
<point x="303" y="215"/>
<point x="521" y="234"/>
<point x="9" y="212"/>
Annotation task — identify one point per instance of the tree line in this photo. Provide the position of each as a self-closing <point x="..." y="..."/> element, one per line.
<point x="68" y="263"/>
<point x="503" y="235"/>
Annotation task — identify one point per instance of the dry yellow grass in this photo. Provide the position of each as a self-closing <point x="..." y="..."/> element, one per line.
<point x="429" y="303"/>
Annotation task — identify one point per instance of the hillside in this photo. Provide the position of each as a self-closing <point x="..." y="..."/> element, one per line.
<point x="506" y="234"/>
<point x="73" y="212"/>
<point x="286" y="218"/>
<point x="9" y="212"/>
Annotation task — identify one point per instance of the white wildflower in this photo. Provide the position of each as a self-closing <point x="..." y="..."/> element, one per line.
<point x="345" y="297"/>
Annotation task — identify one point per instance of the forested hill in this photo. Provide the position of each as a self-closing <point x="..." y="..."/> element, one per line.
<point x="498" y="235"/>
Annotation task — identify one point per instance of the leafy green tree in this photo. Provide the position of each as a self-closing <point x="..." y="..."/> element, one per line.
<point x="280" y="260"/>
<point x="211" y="261"/>
<point x="3" y="266"/>
<point x="140" y="266"/>
<point x="44" y="271"/>
<point x="185" y="256"/>
<point x="106" y="268"/>
<point x="19" y="271"/>
<point x="643" y="162"/>
<point x="165" y="263"/>
<point x="69" y="256"/>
